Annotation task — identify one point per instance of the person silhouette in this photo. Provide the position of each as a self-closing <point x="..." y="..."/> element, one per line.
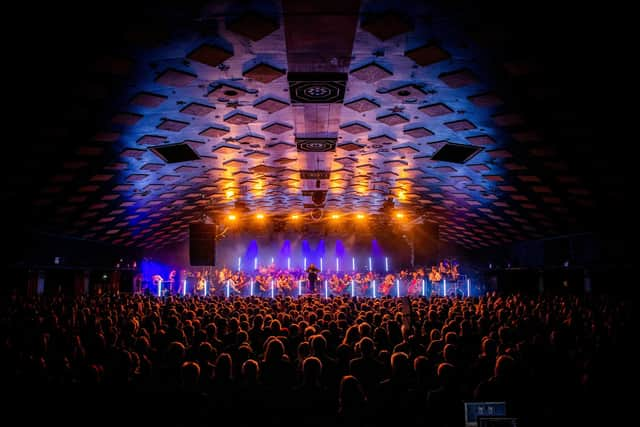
<point x="312" y="276"/>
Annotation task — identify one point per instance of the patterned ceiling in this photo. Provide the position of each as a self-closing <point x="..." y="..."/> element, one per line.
<point x="296" y="107"/>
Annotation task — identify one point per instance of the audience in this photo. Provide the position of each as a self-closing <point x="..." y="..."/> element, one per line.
<point x="315" y="361"/>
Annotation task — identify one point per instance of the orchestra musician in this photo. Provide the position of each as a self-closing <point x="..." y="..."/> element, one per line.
<point x="386" y="285"/>
<point x="312" y="276"/>
<point x="455" y="273"/>
<point x="434" y="275"/>
<point x="443" y="268"/>
<point x="200" y="283"/>
<point x="171" y="281"/>
<point x="414" y="287"/>
<point x="435" y="278"/>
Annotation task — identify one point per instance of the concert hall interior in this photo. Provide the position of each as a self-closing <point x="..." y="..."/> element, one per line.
<point x="330" y="212"/>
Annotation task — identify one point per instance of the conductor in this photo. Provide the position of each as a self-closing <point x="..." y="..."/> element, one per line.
<point x="312" y="276"/>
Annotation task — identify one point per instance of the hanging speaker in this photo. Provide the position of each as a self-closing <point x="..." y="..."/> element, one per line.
<point x="202" y="244"/>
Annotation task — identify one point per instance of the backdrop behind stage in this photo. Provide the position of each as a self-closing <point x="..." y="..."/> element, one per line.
<point x="289" y="248"/>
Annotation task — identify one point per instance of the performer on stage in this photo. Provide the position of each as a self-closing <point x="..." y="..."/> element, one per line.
<point x="434" y="275"/>
<point x="312" y="276"/>
<point x="200" y="283"/>
<point x="171" y="282"/>
<point x="455" y="272"/>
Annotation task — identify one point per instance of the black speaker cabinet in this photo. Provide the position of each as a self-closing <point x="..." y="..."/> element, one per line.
<point x="202" y="244"/>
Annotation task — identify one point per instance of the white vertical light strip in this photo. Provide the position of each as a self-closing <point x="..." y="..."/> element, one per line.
<point x="337" y="264"/>
<point x="468" y="287"/>
<point x="288" y="263"/>
<point x="444" y="290"/>
<point x="255" y="263"/>
<point x="273" y="290"/>
<point x="423" y="288"/>
<point x="326" y="290"/>
<point x="206" y="287"/>
<point x="386" y="264"/>
<point x="184" y="288"/>
<point x="228" y="288"/>
<point x="353" y="288"/>
<point x="299" y="287"/>
<point x="239" y="263"/>
<point x="305" y="263"/>
<point x="353" y="263"/>
<point x="398" y="288"/>
<point x="251" y="286"/>
<point x="321" y="264"/>
<point x="370" y="264"/>
<point x="374" y="288"/>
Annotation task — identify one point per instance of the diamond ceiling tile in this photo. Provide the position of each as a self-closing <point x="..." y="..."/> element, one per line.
<point x="250" y="139"/>
<point x="126" y="119"/>
<point x="481" y="140"/>
<point x="458" y="78"/>
<point x="215" y="131"/>
<point x="210" y="55"/>
<point x="371" y="72"/>
<point x="355" y="128"/>
<point x="133" y="153"/>
<point x="499" y="154"/>
<point x="148" y="99"/>
<point x="197" y="109"/>
<point x="362" y="105"/>
<point x="508" y="119"/>
<point x="253" y="25"/>
<point x="392" y="119"/>
<point x="460" y="125"/>
<point x="427" y="54"/>
<point x="172" y="125"/>
<point x="152" y="167"/>
<point x="271" y="105"/>
<point x="386" y="25"/>
<point x="350" y="146"/>
<point x="406" y="150"/>
<point x="479" y="168"/>
<point x="418" y="132"/>
<point x="382" y="139"/>
<point x="225" y="149"/>
<point x="285" y="161"/>
<point x="151" y="140"/>
<point x="277" y="128"/>
<point x="101" y="177"/>
<point x="175" y="78"/>
<point x="238" y="117"/>
<point x="263" y="73"/>
<point x="435" y="110"/>
<point x="488" y="100"/>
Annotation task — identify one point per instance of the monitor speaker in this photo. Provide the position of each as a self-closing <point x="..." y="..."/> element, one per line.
<point x="202" y="244"/>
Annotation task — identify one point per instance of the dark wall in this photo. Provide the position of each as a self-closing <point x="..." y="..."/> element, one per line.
<point x="176" y="254"/>
<point x="63" y="262"/>
<point x="42" y="250"/>
<point x="563" y="262"/>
